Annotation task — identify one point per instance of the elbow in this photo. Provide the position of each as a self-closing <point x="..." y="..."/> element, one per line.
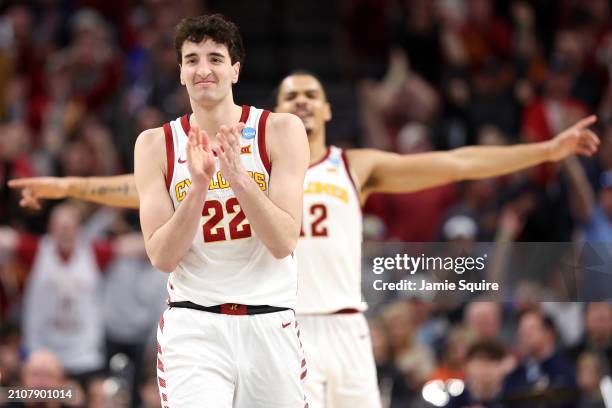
<point x="284" y="249"/>
<point x="161" y="260"/>
<point x="461" y="171"/>
<point x="162" y="264"/>
<point x="460" y="167"/>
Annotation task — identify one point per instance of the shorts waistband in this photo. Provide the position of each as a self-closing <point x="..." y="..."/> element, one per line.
<point x="229" y="308"/>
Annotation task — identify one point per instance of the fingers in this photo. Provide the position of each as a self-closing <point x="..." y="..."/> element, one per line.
<point x="227" y="143"/>
<point x="222" y="145"/>
<point x="584" y="151"/>
<point x="233" y="135"/>
<point x="239" y="128"/>
<point x="586" y="147"/>
<point x="32" y="204"/>
<point x="204" y="140"/>
<point x="192" y="144"/>
<point x="593" y="137"/>
<point x="28" y="197"/>
<point x="20" y="183"/>
<point x="191" y="140"/>
<point x="228" y="148"/>
<point x="194" y="135"/>
<point x="199" y="138"/>
<point x="29" y="200"/>
<point x="220" y="148"/>
<point x="585" y="123"/>
<point x="588" y="143"/>
<point x="192" y="131"/>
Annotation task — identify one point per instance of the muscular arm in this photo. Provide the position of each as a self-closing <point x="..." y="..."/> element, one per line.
<point x="276" y="218"/>
<point x="389" y="172"/>
<point x="117" y="191"/>
<point x="167" y="233"/>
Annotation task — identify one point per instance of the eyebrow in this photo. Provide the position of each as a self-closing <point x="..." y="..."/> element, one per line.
<point x="213" y="54"/>
<point x="306" y="91"/>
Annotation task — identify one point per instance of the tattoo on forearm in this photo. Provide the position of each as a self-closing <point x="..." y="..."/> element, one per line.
<point x="106" y="190"/>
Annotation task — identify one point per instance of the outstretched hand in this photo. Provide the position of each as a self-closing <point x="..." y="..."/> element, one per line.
<point x="200" y="159"/>
<point x="577" y="139"/>
<point x="35" y="188"/>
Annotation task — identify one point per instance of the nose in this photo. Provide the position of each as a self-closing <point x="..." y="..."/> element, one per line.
<point x="203" y="68"/>
<point x="301" y="100"/>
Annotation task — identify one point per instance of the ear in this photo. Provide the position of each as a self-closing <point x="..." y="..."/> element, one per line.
<point x="181" y="74"/>
<point x="327" y="113"/>
<point x="236" y="68"/>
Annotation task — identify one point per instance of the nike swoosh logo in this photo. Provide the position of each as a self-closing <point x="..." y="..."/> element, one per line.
<point x="181" y="161"/>
<point x="286" y="324"/>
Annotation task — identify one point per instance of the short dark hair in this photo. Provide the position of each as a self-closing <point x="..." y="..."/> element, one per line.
<point x="298" y="71"/>
<point x="487" y="349"/>
<point x="214" y="26"/>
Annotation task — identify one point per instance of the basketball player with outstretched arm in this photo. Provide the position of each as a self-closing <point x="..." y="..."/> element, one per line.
<point x="220" y="210"/>
<point x="341" y="369"/>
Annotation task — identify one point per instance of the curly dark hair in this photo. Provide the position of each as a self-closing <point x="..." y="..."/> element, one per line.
<point x="214" y="26"/>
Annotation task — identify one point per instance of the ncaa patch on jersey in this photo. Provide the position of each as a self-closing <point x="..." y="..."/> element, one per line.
<point x="335" y="161"/>
<point x="248" y="133"/>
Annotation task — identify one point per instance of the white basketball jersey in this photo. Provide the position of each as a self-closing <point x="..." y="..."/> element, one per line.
<point x="226" y="262"/>
<point x="329" y="249"/>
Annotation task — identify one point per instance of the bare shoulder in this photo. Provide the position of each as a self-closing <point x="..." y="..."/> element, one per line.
<point x="150" y="150"/>
<point x="283" y="124"/>
<point x="151" y="140"/>
<point x="361" y="161"/>
<point x="363" y="154"/>
<point x="285" y="134"/>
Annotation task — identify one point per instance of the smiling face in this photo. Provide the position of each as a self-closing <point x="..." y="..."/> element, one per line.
<point x="303" y="95"/>
<point x="207" y="71"/>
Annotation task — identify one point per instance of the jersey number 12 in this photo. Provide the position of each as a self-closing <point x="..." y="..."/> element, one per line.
<point x="317" y="227"/>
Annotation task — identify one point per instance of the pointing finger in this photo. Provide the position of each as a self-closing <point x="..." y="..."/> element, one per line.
<point x="586" y="122"/>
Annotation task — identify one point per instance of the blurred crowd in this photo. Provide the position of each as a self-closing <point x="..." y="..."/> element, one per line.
<point x="80" y="79"/>
<point x="490" y="73"/>
<point x="528" y="354"/>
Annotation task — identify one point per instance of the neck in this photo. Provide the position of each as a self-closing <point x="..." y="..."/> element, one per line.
<point x="211" y="117"/>
<point x="316" y="142"/>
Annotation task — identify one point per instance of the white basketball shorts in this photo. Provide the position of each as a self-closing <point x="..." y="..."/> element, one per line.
<point x="341" y="367"/>
<point x="215" y="360"/>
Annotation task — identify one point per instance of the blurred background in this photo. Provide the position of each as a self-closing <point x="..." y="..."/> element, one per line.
<point x="79" y="80"/>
